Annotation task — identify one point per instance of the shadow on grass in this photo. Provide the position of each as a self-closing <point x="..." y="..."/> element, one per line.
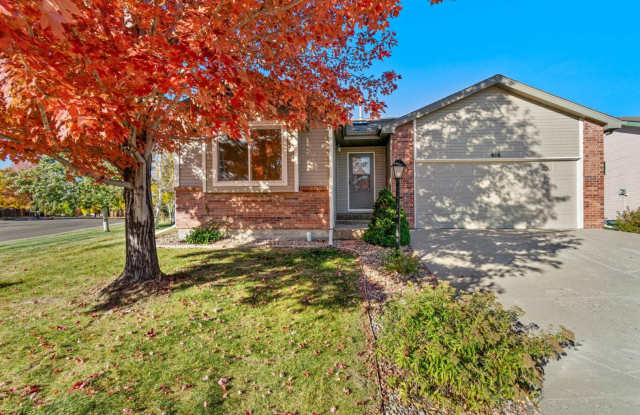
<point x="10" y="284"/>
<point x="318" y="278"/>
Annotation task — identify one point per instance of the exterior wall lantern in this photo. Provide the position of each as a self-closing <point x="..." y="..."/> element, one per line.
<point x="398" y="167"/>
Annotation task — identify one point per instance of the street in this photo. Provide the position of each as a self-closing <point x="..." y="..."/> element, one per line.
<point x="11" y="230"/>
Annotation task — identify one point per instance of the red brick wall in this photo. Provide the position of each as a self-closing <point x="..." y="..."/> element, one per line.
<point x="307" y="209"/>
<point x="402" y="148"/>
<point x="593" y="175"/>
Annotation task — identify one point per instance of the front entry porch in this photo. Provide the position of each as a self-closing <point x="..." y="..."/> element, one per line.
<point x="361" y="169"/>
<point x="351" y="225"/>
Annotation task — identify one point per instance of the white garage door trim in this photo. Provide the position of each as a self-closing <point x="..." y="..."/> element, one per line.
<point x="580" y="177"/>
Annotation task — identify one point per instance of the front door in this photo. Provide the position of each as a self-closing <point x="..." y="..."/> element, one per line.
<point x="360" y="181"/>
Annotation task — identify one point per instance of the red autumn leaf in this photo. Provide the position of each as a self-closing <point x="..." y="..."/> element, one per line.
<point x="78" y="385"/>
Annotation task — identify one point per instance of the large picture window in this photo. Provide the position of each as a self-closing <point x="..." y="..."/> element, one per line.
<point x="260" y="158"/>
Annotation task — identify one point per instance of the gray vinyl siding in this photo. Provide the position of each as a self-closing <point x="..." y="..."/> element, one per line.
<point x="495" y="120"/>
<point x="474" y="195"/>
<point x="622" y="155"/>
<point x="342" y="172"/>
<point x="190" y="164"/>
<point x="314" y="157"/>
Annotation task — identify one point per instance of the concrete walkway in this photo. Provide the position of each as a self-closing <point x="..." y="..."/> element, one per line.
<point x="11" y="230"/>
<point x="588" y="281"/>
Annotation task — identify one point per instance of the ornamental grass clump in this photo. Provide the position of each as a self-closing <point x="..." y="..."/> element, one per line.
<point x="402" y="263"/>
<point x="629" y="221"/>
<point x="463" y="352"/>
<point x="205" y="235"/>
<point x="382" y="228"/>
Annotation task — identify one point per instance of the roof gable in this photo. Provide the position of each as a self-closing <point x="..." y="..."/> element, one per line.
<point x="516" y="87"/>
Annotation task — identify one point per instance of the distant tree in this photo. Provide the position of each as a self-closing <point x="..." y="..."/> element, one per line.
<point x="10" y="197"/>
<point x="53" y="190"/>
<point x="47" y="186"/>
<point x="163" y="186"/>
<point x="94" y="196"/>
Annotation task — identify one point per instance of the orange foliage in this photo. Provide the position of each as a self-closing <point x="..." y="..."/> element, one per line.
<point x="111" y="80"/>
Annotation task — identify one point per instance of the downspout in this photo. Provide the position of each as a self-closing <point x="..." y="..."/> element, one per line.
<point x="331" y="198"/>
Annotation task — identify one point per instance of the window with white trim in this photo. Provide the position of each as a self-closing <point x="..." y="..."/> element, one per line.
<point x="259" y="159"/>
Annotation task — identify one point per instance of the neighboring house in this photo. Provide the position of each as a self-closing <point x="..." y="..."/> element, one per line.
<point x="499" y="154"/>
<point x="622" y="168"/>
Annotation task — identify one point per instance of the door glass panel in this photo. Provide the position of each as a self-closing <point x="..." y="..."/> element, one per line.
<point x="360" y="181"/>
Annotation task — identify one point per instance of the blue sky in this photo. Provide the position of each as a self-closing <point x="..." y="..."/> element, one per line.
<point x="582" y="50"/>
<point x="585" y="51"/>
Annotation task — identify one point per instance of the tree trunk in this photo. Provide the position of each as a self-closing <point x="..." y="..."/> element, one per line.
<point x="141" y="256"/>
<point x="105" y="219"/>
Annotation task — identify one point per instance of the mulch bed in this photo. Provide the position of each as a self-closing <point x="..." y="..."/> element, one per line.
<point x="378" y="286"/>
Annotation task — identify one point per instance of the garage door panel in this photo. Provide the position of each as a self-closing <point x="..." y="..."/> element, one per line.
<point x="496" y="195"/>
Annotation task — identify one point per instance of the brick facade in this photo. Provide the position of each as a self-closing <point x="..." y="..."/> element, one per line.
<point x="402" y="148"/>
<point x="306" y="209"/>
<point x="593" y="175"/>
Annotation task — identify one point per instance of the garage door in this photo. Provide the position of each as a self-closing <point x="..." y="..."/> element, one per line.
<point x="478" y="195"/>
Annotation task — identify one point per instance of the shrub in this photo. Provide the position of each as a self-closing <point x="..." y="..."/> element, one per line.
<point x="463" y="352"/>
<point x="629" y="221"/>
<point x="205" y="235"/>
<point x="401" y="263"/>
<point x="382" y="228"/>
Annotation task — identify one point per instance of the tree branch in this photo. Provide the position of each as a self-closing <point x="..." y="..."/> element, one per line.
<point x="132" y="148"/>
<point x="271" y="12"/>
<point x="91" y="174"/>
<point x="4" y="136"/>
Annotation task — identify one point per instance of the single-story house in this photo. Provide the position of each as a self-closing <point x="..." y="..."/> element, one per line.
<point x="622" y="168"/>
<point x="498" y="154"/>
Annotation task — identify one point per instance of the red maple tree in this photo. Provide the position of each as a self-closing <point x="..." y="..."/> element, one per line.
<point x="100" y="85"/>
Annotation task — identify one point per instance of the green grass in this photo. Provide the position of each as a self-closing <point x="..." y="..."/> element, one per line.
<point x="284" y="327"/>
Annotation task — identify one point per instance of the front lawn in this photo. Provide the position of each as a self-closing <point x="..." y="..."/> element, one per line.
<point x="255" y="331"/>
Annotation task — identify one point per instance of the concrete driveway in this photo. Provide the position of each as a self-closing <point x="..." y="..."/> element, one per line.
<point x="588" y="281"/>
<point x="12" y="230"/>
